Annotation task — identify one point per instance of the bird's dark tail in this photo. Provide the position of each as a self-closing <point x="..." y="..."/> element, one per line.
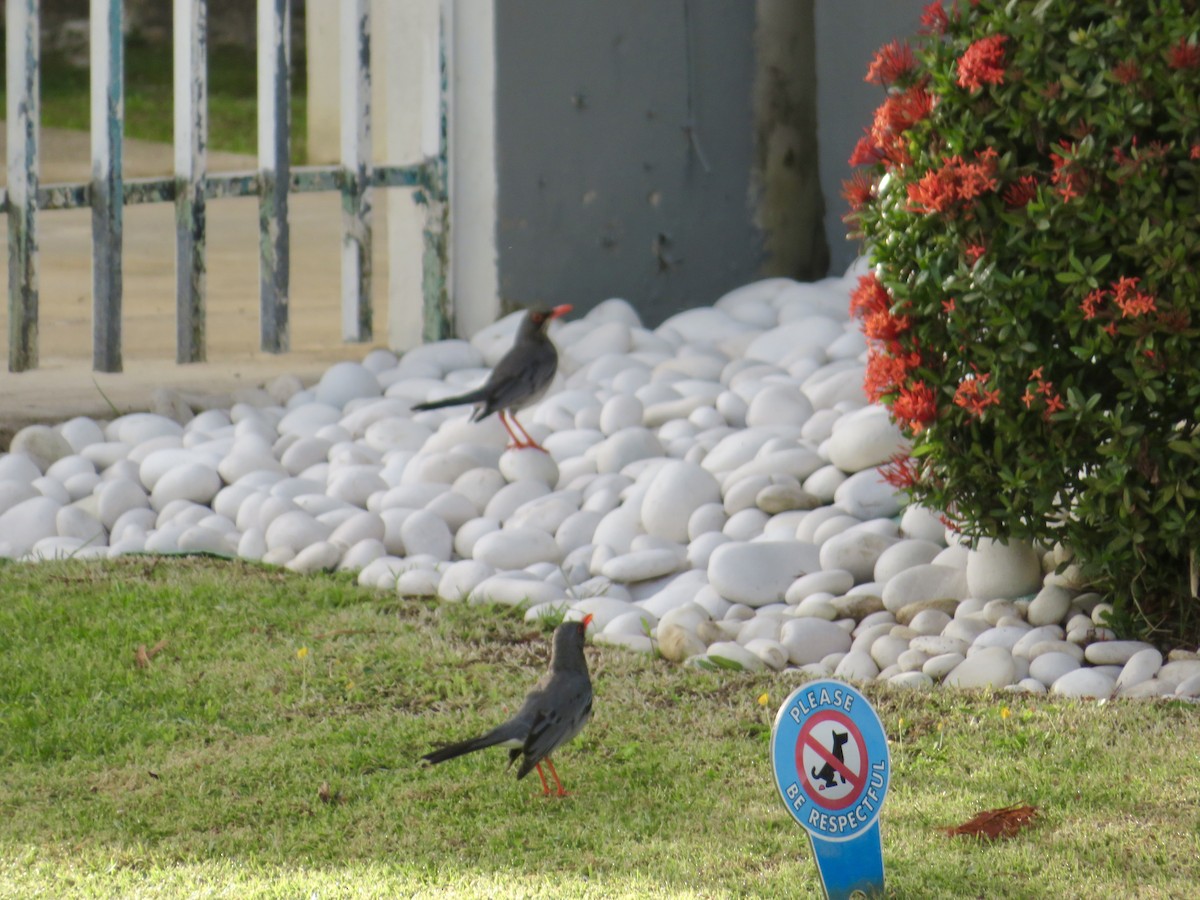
<point x="460" y="400"/>
<point x="501" y="735"/>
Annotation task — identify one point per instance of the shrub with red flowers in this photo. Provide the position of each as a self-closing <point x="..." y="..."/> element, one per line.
<point x="1029" y="196"/>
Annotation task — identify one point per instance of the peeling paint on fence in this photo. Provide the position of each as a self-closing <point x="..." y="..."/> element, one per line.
<point x="274" y="123"/>
<point x="223" y="185"/>
<point x="191" y="163"/>
<point x="355" y="60"/>
<point x="438" y="317"/>
<point x="21" y="51"/>
<point x="108" y="195"/>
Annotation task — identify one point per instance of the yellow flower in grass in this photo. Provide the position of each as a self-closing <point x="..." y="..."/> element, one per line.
<point x="1005" y="712"/>
<point x="764" y="699"/>
<point x="302" y="653"/>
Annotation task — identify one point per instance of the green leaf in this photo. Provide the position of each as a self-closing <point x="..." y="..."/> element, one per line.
<point x="1187" y="448"/>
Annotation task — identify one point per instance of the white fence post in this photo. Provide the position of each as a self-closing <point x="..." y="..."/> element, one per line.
<point x="108" y="190"/>
<point x="21" y="49"/>
<point x="191" y="162"/>
<point x="274" y="20"/>
<point x="438" y="313"/>
<point x="355" y="64"/>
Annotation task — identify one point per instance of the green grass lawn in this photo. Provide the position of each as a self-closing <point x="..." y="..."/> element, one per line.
<point x="269" y="748"/>
<point x="149" y="93"/>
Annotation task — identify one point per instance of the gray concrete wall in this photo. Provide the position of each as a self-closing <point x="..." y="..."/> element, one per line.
<point x="848" y="32"/>
<point x="626" y="152"/>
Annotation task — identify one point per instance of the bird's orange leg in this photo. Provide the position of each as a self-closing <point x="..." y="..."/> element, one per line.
<point x="515" y="443"/>
<point x="561" y="792"/>
<point x="545" y="785"/>
<point x="529" y="441"/>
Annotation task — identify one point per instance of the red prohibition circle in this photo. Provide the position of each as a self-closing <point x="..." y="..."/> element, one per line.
<point x="858" y="780"/>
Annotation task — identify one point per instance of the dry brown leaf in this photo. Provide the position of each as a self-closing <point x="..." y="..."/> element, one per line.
<point x="997" y="823"/>
<point x="324" y="794"/>
<point x="142" y="656"/>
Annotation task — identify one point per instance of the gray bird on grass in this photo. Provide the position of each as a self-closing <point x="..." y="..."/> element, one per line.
<point x="556" y="710"/>
<point x="520" y="379"/>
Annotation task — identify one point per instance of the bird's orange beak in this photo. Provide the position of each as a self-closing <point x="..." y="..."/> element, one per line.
<point x="560" y="310"/>
<point x="587" y="620"/>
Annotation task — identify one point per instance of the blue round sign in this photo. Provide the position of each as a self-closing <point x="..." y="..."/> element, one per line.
<point x="830" y="757"/>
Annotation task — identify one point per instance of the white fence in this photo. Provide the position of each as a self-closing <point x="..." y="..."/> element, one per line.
<point x="191" y="187"/>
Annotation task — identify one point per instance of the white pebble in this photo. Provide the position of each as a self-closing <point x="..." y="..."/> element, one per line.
<point x="1049" y="667"/>
<point x="734" y="655"/>
<point x="515" y="548"/>
<point x="1003" y="570"/>
<point x="857" y="665"/>
<point x="1083" y="682"/>
<point x="640" y="565"/>
<point x="529" y="465"/>
<point x="939" y="666"/>
<point x="1114" y="652"/>
<point x="989" y="667"/>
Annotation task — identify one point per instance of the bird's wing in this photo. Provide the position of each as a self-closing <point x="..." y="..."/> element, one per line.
<point x="565" y="708"/>
<point x="521" y="377"/>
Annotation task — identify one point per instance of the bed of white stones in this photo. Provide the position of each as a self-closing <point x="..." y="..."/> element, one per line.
<point x="710" y="494"/>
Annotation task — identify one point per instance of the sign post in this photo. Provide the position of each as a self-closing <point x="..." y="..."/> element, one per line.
<point x="831" y="763"/>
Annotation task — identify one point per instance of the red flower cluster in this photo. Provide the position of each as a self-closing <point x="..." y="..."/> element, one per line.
<point x="885" y="326"/>
<point x="934" y="19"/>
<point x="1140" y="158"/>
<point x="872" y="304"/>
<point x="982" y="63"/>
<point x="891" y="63"/>
<point x="1020" y="192"/>
<point x="869" y="297"/>
<point x="973" y="252"/>
<point x="1045" y="390"/>
<point x="1128" y="299"/>
<point x="915" y="406"/>
<point x="939" y="190"/>
<point x="888" y="366"/>
<point x="886" y="373"/>
<point x="857" y="190"/>
<point x="1184" y="55"/>
<point x="901" y="471"/>
<point x="974" y="397"/>
<point x="1127" y="72"/>
<point x="1069" y="178"/>
<point x="1091" y="303"/>
<point x="885" y="140"/>
<point x="865" y="153"/>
